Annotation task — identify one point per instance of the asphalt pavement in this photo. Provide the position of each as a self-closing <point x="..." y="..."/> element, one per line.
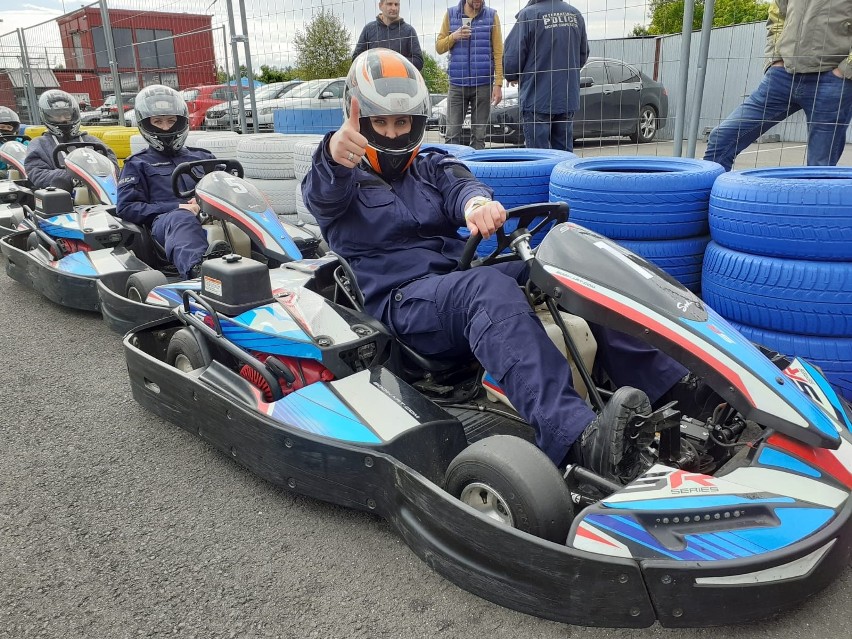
<point x="117" y="524"/>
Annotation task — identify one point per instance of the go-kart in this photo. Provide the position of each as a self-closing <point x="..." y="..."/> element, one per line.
<point x="62" y="250"/>
<point x="14" y="191"/>
<point x="732" y="516"/>
<point x="128" y="299"/>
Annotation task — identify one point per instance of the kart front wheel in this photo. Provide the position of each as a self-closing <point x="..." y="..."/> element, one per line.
<point x="141" y="283"/>
<point x="186" y="351"/>
<point x="511" y="481"/>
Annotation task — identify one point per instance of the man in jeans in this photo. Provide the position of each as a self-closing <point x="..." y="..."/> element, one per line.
<point x="809" y="68"/>
<point x="471" y="33"/>
<point x="545" y="51"/>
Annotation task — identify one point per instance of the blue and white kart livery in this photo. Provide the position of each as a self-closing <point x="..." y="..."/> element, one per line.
<point x="733" y="516"/>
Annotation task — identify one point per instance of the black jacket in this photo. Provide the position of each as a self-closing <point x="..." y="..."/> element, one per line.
<point x="398" y="36"/>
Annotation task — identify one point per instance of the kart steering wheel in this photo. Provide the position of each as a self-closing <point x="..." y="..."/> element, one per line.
<point x="214" y="164"/>
<point x="552" y="211"/>
<point x="59" y="162"/>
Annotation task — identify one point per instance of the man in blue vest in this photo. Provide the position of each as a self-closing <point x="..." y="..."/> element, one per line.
<point x="471" y="33"/>
<point x="545" y="51"/>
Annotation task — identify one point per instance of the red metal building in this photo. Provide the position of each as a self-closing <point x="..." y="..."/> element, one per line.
<point x="175" y="49"/>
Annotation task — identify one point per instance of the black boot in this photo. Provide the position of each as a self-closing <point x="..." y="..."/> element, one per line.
<point x="606" y="447"/>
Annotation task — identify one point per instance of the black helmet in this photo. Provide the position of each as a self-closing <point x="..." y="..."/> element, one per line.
<point x="386" y="83"/>
<point x="161" y="100"/>
<point x="60" y="113"/>
<point x="7" y="116"/>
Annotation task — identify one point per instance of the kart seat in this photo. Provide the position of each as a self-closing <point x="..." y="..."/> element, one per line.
<point x="350" y="287"/>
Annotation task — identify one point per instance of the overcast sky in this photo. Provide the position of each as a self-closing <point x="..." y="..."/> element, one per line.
<point x="273" y="23"/>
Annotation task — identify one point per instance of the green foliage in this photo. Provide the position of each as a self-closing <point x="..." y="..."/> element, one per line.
<point x="274" y="74"/>
<point x="323" y="49"/>
<point x="667" y="15"/>
<point x="437" y="80"/>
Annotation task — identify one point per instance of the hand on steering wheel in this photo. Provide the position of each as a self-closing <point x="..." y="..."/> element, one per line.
<point x="552" y="212"/>
<point x="485" y="218"/>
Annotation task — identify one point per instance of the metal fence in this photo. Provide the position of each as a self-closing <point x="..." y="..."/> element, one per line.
<point x="185" y="43"/>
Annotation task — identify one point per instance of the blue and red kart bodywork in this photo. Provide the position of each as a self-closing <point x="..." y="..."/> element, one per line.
<point x="769" y="527"/>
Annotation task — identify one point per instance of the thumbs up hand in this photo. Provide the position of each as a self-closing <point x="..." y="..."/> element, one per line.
<point x="347" y="146"/>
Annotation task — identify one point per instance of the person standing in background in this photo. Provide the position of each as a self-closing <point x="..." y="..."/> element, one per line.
<point x="808" y="68"/>
<point x="544" y="52"/>
<point x="389" y="31"/>
<point x="471" y="34"/>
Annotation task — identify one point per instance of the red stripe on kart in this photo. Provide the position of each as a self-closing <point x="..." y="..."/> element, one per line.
<point x="493" y="387"/>
<point x="229" y="210"/>
<point x="821" y="458"/>
<point x="582" y="531"/>
<point x="648" y="322"/>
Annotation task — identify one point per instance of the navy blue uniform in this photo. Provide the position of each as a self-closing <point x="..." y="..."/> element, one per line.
<point x="401" y="241"/>
<point x="145" y="197"/>
<point x="41" y="170"/>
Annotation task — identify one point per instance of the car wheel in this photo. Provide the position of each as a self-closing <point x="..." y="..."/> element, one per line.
<point x="509" y="480"/>
<point x="141" y="283"/>
<point x="646" y="129"/>
<point x="186" y="352"/>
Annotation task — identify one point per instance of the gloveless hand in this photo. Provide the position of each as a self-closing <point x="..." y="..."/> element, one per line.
<point x="486" y="219"/>
<point x="347" y="146"/>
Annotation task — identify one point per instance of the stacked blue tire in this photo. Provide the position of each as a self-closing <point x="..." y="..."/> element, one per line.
<point x="655" y="207"/>
<point x="518" y="177"/>
<point x="780" y="263"/>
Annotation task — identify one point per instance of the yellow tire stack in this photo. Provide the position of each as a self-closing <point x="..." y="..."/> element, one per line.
<point x="118" y="139"/>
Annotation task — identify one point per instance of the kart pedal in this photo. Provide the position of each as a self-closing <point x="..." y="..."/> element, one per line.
<point x="429" y="386"/>
<point x="664" y="418"/>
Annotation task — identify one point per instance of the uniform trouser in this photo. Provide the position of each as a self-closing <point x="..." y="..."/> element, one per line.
<point x="548" y="130"/>
<point x="483" y="311"/>
<point x="825" y="99"/>
<point x="183" y="237"/>
<point x="479" y="100"/>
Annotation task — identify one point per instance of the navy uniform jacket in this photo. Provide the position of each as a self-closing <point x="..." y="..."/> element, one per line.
<point x="41" y="170"/>
<point x="545" y="51"/>
<point x="145" y="186"/>
<point x="392" y="233"/>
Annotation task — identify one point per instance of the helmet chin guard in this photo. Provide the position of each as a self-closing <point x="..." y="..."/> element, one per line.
<point x="386" y="84"/>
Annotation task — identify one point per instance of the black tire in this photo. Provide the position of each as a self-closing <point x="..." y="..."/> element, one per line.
<point x="141" y="283"/>
<point x="646" y="127"/>
<point x="185" y="352"/>
<point x="33" y="241"/>
<point x="510" y="480"/>
<point x="800" y="212"/>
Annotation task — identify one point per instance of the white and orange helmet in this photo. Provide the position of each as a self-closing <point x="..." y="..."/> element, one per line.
<point x="386" y="84"/>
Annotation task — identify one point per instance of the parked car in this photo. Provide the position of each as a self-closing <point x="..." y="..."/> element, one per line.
<point x="200" y="98"/>
<point x="220" y="116"/>
<point x="615" y="99"/>
<point x="315" y="94"/>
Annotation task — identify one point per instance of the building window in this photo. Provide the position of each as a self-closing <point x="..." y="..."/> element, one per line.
<point x="77" y="44"/>
<point x="123" y="41"/>
<point x="156" y="49"/>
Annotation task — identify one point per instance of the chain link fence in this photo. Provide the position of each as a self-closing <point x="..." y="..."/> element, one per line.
<point x="192" y="43"/>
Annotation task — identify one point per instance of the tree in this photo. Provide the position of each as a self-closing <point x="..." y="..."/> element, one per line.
<point x="274" y="74"/>
<point x="667" y="15"/>
<point x="437" y="80"/>
<point x="323" y="48"/>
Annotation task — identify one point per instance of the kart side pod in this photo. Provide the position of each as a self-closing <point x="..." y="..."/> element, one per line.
<point x="234" y="284"/>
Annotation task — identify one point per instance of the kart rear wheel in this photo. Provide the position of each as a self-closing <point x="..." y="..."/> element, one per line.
<point x="511" y="481"/>
<point x="186" y="352"/>
<point x="141" y="283"/>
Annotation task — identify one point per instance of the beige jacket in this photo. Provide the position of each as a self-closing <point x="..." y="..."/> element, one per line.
<point x="810" y="35"/>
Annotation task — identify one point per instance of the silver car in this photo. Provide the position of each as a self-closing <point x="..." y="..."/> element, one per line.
<point x="219" y="117"/>
<point x="314" y="94"/>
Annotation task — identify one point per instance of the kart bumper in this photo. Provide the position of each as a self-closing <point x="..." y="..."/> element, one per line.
<point x="120" y="313"/>
<point x="400" y="481"/>
<point x="68" y="289"/>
